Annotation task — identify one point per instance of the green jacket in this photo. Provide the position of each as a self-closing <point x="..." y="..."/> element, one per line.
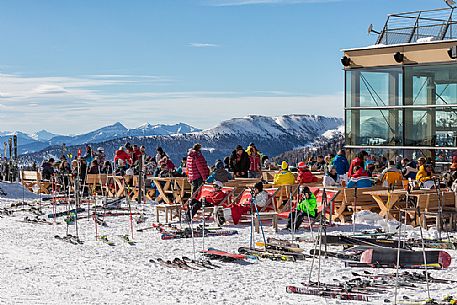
<point x="308" y="206"/>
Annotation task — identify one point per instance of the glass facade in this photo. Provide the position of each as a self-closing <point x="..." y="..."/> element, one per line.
<point x="407" y="107"/>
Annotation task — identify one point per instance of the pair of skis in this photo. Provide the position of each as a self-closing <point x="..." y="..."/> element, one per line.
<point x="125" y="238"/>
<point x="184" y="263"/>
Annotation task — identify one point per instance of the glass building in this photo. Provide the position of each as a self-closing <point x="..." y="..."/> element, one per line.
<point x="401" y="94"/>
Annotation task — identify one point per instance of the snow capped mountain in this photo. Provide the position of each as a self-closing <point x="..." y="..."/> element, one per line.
<point x="148" y="129"/>
<point x="43" y="135"/>
<point x="42" y="139"/>
<point x="272" y="135"/>
<point x="301" y="126"/>
<point x="109" y="132"/>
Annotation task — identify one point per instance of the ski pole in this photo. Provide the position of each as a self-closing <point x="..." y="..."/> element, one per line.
<point x="398" y="260"/>
<point x="130" y="208"/>
<point x="204" y="222"/>
<point x="260" y="223"/>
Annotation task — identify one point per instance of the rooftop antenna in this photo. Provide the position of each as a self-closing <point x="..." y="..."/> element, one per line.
<point x="370" y="28"/>
<point x="450" y="3"/>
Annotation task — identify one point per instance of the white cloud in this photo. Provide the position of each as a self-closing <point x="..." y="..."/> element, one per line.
<point x="81" y="104"/>
<point x="49" y="89"/>
<point x="203" y="45"/>
<point x="253" y="2"/>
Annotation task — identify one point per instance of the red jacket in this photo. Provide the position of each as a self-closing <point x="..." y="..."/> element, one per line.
<point x="122" y="155"/>
<point x="196" y="166"/>
<point x="254" y="160"/>
<point x="136" y="154"/>
<point x="215" y="197"/>
<point x="305" y="177"/>
<point x="355" y="162"/>
<point x="360" y="173"/>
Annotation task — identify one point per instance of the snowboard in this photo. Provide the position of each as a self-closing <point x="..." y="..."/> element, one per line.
<point x="388" y="256"/>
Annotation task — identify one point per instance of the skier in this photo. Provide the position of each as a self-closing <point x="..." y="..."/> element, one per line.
<point x="239" y="162"/>
<point x="215" y="197"/>
<point x="255" y="166"/>
<point x="308" y="206"/>
<point x="47" y="169"/>
<point x="100" y="155"/>
<point x="359" y="161"/>
<point x="197" y="168"/>
<point x="304" y="175"/>
<point x="220" y="173"/>
<point x="340" y="163"/>
<point x="284" y="177"/>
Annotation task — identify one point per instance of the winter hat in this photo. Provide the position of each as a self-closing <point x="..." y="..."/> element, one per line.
<point x="129" y="172"/>
<point x="259" y="186"/>
<point x="301" y="164"/>
<point x="284" y="165"/>
<point x="306" y="190"/>
<point x="218" y="184"/>
<point x="219" y="164"/>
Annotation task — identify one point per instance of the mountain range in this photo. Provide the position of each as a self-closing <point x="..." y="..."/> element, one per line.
<point x="30" y="143"/>
<point x="272" y="136"/>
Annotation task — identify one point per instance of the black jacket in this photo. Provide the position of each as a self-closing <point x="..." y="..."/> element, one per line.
<point x="241" y="165"/>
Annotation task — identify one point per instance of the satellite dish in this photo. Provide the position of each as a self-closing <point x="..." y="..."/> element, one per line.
<point x="370" y="30"/>
<point x="450" y="3"/>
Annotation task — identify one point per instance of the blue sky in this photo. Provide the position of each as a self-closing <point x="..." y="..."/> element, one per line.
<point x="72" y="66"/>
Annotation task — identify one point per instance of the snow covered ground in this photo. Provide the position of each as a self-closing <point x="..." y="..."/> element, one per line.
<point x="39" y="269"/>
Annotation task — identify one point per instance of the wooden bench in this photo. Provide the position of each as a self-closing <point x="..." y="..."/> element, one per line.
<point x="30" y="179"/>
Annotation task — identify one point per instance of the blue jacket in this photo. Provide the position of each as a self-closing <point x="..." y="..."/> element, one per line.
<point x="341" y="164"/>
<point x="363" y="182"/>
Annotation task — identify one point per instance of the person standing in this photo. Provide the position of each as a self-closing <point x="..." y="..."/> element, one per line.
<point x="197" y="167"/>
<point x="255" y="168"/>
<point x="239" y="162"/>
<point x="340" y="163"/>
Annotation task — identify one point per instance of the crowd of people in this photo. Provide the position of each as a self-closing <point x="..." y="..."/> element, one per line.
<point x="362" y="171"/>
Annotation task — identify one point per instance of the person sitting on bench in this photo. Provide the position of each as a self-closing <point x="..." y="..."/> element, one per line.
<point x="306" y="207"/>
<point x="214" y="198"/>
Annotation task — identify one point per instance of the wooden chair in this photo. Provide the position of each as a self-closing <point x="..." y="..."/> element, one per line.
<point x="448" y="214"/>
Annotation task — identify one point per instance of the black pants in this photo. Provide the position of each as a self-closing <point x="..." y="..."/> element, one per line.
<point x="196" y="184"/>
<point x="298" y="219"/>
<point x="193" y="208"/>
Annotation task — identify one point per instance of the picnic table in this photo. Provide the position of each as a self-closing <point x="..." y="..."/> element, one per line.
<point x="387" y="199"/>
<point x="177" y="187"/>
<point x="119" y="186"/>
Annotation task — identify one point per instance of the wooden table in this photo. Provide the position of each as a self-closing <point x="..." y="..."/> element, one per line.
<point x="119" y="186"/>
<point x="178" y="187"/>
<point x="386" y="200"/>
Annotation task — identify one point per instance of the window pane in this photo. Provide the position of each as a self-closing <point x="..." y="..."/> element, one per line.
<point x="374" y="127"/>
<point x="431" y="85"/>
<point x="374" y="87"/>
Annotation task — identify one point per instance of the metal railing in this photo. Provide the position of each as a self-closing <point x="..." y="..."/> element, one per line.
<point x="420" y="26"/>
